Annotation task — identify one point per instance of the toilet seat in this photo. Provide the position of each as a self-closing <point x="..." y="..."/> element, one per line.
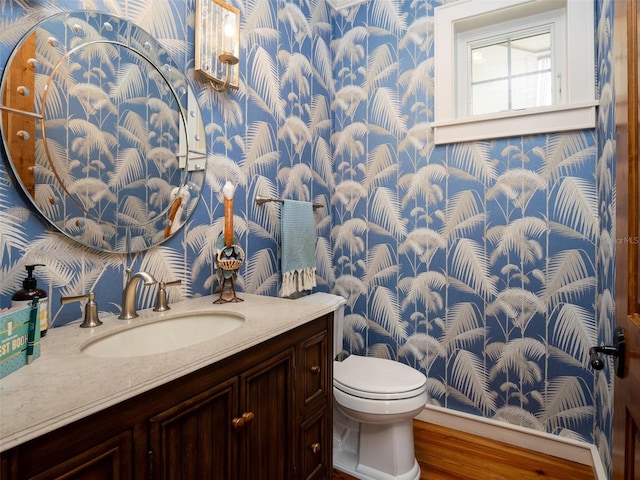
<point x="377" y="378"/>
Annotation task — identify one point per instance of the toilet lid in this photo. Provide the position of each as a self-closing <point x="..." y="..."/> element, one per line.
<point x="377" y="378"/>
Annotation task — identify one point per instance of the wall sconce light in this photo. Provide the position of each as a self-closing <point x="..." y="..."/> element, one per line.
<point x="218" y="43"/>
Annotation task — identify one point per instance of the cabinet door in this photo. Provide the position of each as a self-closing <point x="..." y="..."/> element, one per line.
<point x="267" y="435"/>
<point x="109" y="460"/>
<point x="314" y="371"/>
<point x="194" y="440"/>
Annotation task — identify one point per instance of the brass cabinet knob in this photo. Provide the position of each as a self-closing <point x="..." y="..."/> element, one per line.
<point x="315" y="369"/>
<point x="247" y="417"/>
<point x="239" y="423"/>
<point x="315" y="447"/>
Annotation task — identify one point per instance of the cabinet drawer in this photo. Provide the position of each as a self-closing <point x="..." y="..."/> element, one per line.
<point x="315" y="369"/>
<point x="315" y="443"/>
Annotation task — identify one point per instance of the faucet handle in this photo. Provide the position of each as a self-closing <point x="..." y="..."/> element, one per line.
<point x="161" y="304"/>
<point x="90" y="309"/>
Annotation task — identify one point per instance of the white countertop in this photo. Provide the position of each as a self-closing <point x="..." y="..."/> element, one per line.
<point x="65" y="385"/>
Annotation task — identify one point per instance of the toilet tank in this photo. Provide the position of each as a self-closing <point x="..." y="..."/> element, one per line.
<point x="338" y="303"/>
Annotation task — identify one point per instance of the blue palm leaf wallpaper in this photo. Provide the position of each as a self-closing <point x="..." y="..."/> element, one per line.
<point x="488" y="265"/>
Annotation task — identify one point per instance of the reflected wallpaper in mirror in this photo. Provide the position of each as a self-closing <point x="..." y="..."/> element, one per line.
<point x="94" y="120"/>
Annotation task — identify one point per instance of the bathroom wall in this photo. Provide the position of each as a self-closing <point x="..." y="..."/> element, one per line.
<point x="487" y="265"/>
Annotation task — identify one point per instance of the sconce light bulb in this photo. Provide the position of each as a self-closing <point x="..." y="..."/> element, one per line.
<point x="229" y="29"/>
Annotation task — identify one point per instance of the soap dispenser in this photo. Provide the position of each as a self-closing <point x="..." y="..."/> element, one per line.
<point x="26" y="294"/>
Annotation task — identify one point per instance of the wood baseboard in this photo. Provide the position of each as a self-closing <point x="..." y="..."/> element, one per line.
<point x="540" y="442"/>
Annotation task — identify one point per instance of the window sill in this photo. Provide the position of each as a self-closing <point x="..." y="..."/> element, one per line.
<point x="524" y="122"/>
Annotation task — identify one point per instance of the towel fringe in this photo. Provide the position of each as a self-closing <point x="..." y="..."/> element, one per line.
<point x="297" y="281"/>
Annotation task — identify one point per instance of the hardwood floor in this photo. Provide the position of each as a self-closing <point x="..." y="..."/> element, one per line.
<point x="446" y="454"/>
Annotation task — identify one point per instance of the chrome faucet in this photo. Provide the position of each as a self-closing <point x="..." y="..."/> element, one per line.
<point x="129" y="293"/>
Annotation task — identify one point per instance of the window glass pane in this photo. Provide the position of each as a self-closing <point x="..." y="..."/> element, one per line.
<point x="511" y="73"/>
<point x="489" y="97"/>
<point x="526" y="53"/>
<point x="490" y="62"/>
<point x="530" y="91"/>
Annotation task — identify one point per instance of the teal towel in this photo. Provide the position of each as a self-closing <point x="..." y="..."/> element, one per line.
<point x="298" y="247"/>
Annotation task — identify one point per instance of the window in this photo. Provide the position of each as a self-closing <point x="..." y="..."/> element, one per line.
<point x="519" y="67"/>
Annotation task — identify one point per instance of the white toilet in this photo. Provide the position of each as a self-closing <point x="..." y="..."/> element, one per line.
<point x="375" y="401"/>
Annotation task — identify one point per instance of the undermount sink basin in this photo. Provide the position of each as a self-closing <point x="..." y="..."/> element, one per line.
<point x="163" y="335"/>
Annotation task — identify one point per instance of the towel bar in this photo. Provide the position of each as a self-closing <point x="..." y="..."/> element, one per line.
<point x="261" y="200"/>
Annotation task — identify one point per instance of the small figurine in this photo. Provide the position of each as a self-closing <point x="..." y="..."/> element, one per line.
<point x="230" y="256"/>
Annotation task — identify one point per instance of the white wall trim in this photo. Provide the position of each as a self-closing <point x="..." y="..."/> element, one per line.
<point x="546" y="443"/>
<point x="559" y="118"/>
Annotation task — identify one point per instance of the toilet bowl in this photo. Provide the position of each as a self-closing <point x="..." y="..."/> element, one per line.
<point x="375" y="401"/>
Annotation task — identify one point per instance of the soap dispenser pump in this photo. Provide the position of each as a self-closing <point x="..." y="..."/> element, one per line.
<point x="28" y="292"/>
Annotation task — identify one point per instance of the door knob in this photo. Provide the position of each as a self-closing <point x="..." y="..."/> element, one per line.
<point x="618" y="351"/>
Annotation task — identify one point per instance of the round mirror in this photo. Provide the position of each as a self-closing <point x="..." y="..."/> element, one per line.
<point x="102" y="131"/>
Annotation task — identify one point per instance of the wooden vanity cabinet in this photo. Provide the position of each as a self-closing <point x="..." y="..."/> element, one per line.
<point x="262" y="414"/>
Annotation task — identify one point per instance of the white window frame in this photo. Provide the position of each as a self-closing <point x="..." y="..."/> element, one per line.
<point x="458" y="22"/>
